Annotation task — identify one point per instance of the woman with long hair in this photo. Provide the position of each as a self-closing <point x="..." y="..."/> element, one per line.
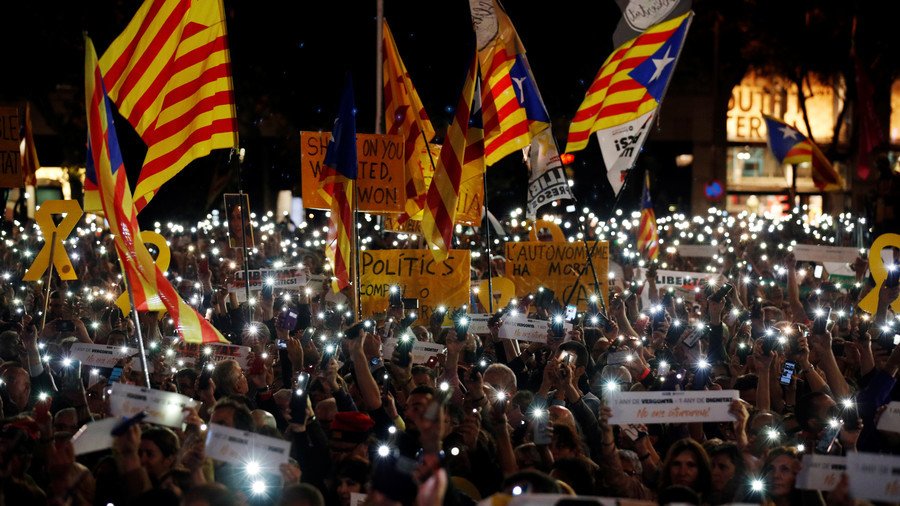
<point x="686" y="465"/>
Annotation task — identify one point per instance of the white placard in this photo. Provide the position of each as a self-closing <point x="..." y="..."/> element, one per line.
<point x="697" y="250"/>
<point x="554" y="499"/>
<point x="190" y="352"/>
<point x="478" y="323"/>
<point x="357" y="499"/>
<point x="821" y="253"/>
<point x="821" y="472"/>
<point x="521" y="328"/>
<point x="94" y="436"/>
<point x="163" y="408"/>
<point x="874" y="476"/>
<point x="100" y="355"/>
<point x="665" y="279"/>
<point x="890" y="418"/>
<point x="421" y="351"/>
<point x="685" y="406"/>
<point x="241" y="448"/>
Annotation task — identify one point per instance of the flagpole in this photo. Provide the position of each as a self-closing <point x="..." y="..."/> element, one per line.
<point x="244" y="250"/>
<point x="379" y="61"/>
<point x="356" y="286"/>
<point x="49" y="278"/>
<point x="137" y="330"/>
<point x="487" y="234"/>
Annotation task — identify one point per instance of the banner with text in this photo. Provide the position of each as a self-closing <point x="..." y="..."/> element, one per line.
<point x="671" y="407"/>
<point x="820" y="472"/>
<point x="243" y="448"/>
<point x="821" y="253"/>
<point x="285" y="278"/>
<point x="555" y="265"/>
<point x="164" y="408"/>
<point x="418" y="275"/>
<point x="874" y="476"/>
<point x="100" y="355"/>
<point x="11" y="175"/>
<point x="421" y="351"/>
<point x="680" y="279"/>
<point x="522" y="328"/>
<point x="381" y="174"/>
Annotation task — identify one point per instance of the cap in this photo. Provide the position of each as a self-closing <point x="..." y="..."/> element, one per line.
<point x="351" y="426"/>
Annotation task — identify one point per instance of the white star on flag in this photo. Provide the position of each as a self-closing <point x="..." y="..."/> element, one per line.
<point x="788" y="132"/>
<point x="661" y="64"/>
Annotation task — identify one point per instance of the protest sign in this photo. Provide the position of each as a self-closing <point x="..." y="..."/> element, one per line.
<point x="821" y="253"/>
<point x="357" y="499"/>
<point x="878" y="262"/>
<point x="478" y="323"/>
<point x="421" y="351"/>
<point x="99" y="355"/>
<point x="420" y="277"/>
<point x="696" y="250"/>
<point x="263" y="454"/>
<point x="530" y="499"/>
<point x="381" y="175"/>
<point x="555" y="265"/>
<point x="163" y="408"/>
<point x="890" y="418"/>
<point x="11" y="175"/>
<point x="503" y="290"/>
<point x="94" y="436"/>
<point x="680" y="279"/>
<point x="214" y="352"/>
<point x="671" y="406"/>
<point x="285" y="278"/>
<point x="521" y="328"/>
<point x="820" y="472"/>
<point x="874" y="476"/>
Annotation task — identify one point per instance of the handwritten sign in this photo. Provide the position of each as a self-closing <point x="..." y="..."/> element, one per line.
<point x="434" y="283"/>
<point x="821" y="472"/>
<point x="214" y="352"/>
<point x="521" y="328"/>
<point x="671" y="407"/>
<point x="821" y="253"/>
<point x="381" y="174"/>
<point x="11" y="175"/>
<point x="555" y="265"/>
<point x="163" y="408"/>
<point x="421" y="351"/>
<point x="243" y="448"/>
<point x="874" y="476"/>
<point x="100" y="355"/>
<point x="890" y="418"/>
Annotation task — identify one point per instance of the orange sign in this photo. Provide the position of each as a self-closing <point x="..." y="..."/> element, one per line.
<point x="10" y="160"/>
<point x="380" y="178"/>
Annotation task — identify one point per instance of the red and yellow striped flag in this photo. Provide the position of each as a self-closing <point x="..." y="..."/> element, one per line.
<point x="28" y="151"/>
<point x="105" y="161"/>
<point x="169" y="73"/>
<point x="648" y="236"/>
<point x="463" y="150"/>
<point x="405" y="115"/>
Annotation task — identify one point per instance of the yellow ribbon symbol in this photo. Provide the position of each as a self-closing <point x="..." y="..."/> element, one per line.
<point x="162" y="260"/>
<point x="71" y="212"/>
<point x="552" y="228"/>
<point x="879" y="272"/>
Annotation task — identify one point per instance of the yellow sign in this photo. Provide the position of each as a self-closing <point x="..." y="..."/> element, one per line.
<point x="503" y="288"/>
<point x="163" y="258"/>
<point x="71" y="212"/>
<point x="380" y="178"/>
<point x="879" y="272"/>
<point x="418" y="275"/>
<point x="10" y="157"/>
<point x="555" y="265"/>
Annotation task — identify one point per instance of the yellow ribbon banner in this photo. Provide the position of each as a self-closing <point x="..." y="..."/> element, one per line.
<point x="71" y="212"/>
<point x="163" y="259"/>
<point x="879" y="272"/>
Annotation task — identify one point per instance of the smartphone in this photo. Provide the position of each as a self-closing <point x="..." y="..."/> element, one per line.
<point x="438" y="315"/>
<point x="630" y="431"/>
<point x="204" y="378"/>
<point x="65" y="326"/>
<point x="267" y="290"/>
<point x="395" y="298"/>
<point x="70" y="375"/>
<point x="409" y="303"/>
<point x="820" y="322"/>
<point x="850" y="416"/>
<point x="593" y="307"/>
<point x="203" y="266"/>
<point x="893" y="276"/>
<point x="696" y="334"/>
<point x="721" y="293"/>
<point x="769" y="343"/>
<point x="604" y="322"/>
<point x="831" y="433"/>
<point x="356" y="329"/>
<point x="404" y="349"/>
<point x="115" y="374"/>
<point x="558" y="326"/>
<point x="288" y="320"/>
<point x="618" y="357"/>
<point x="787" y="373"/>
<point x="541" y="435"/>
<point x="375" y="363"/>
<point x="817" y="272"/>
<point x="663" y="368"/>
<point x="298" y="400"/>
<point x="328" y="352"/>
<point x="571" y="312"/>
<point x="122" y="427"/>
<point x="461" y="324"/>
<point x="676" y="328"/>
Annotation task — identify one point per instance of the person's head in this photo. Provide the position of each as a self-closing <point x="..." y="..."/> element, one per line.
<point x="262" y="418"/>
<point x="232" y="413"/>
<point x="564" y="442"/>
<point x="11" y="347"/>
<point x="229" y="379"/>
<point x="780" y="471"/>
<point x="611" y="374"/>
<point x="65" y="420"/>
<point x="18" y="386"/>
<point x="326" y="410"/>
<point x="210" y="494"/>
<point x="686" y="464"/>
<point x="746" y="387"/>
<point x="814" y="411"/>
<point x="423" y="376"/>
<point x="349" y="436"/>
<point x="575" y="472"/>
<point x="581" y="356"/>
<point x="631" y="463"/>
<point x="501" y="378"/>
<point x="422" y="334"/>
<point x="727" y="467"/>
<point x="56" y="306"/>
<point x="116" y="337"/>
<point x="528" y="457"/>
<point x="158" y="451"/>
<point x="184" y="380"/>
<point x="416" y="404"/>
<point x="301" y="494"/>
<point x="350" y="477"/>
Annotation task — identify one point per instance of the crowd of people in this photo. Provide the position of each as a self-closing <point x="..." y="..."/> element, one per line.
<point x="482" y="422"/>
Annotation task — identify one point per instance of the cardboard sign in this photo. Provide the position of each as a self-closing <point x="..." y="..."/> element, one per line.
<point x="821" y="472"/>
<point x="874" y="476"/>
<point x="94" y="436"/>
<point x="555" y="265"/>
<point x="381" y="174"/>
<point x="697" y="250"/>
<point x="821" y="253"/>
<point x="418" y="275"/>
<point x="100" y="355"/>
<point x="521" y="328"/>
<point x="70" y="212"/>
<point x="685" y="406"/>
<point x="11" y="175"/>
<point x="421" y="351"/>
<point x="890" y="418"/>
<point x="190" y="352"/>
<point x="680" y="279"/>
<point x="243" y="448"/>
<point x="163" y="408"/>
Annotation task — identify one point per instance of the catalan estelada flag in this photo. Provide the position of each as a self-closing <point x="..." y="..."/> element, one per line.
<point x="648" y="236"/>
<point x="336" y="180"/>
<point x="169" y="74"/>
<point x="405" y="115"/>
<point x="104" y="160"/>
<point x="791" y="147"/>
<point x="28" y="151"/>
<point x="512" y="109"/>
<point x="463" y="147"/>
<point x="630" y="84"/>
